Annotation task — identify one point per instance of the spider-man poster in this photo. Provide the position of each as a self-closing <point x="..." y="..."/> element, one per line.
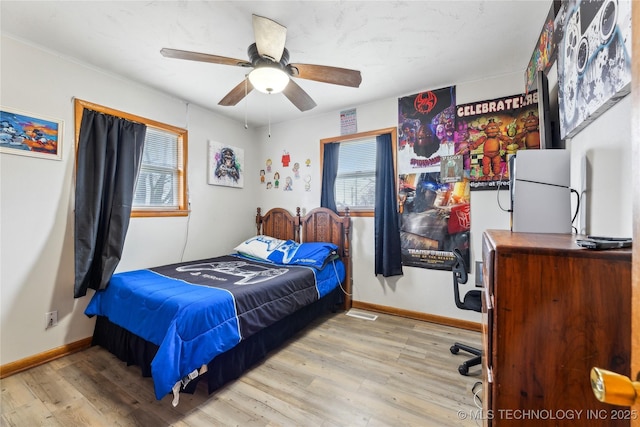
<point x="425" y="129"/>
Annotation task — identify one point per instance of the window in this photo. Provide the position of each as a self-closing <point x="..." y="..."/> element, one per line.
<point x="356" y="181"/>
<point x="161" y="187"/>
<point x="355" y="185"/>
<point x="157" y="184"/>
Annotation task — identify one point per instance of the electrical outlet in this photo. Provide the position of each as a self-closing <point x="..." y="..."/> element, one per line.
<point x="51" y="319"/>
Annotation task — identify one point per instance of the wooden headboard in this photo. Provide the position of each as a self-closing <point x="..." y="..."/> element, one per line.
<point x="324" y="225"/>
<point x="279" y="223"/>
<point x="318" y="225"/>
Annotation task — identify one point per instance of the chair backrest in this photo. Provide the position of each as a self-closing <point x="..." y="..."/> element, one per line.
<point x="460" y="277"/>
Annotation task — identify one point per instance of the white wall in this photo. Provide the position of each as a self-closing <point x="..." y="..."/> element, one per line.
<point x="603" y="152"/>
<point x="37" y="197"/>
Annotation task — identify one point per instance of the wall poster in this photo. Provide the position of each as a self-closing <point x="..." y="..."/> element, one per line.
<point x="544" y="54"/>
<point x="489" y="132"/>
<point x="348" y="122"/>
<point x="433" y="191"/>
<point x="28" y="134"/>
<point x="226" y="165"/>
<point x="594" y="60"/>
<point x="425" y="129"/>
<point x="434" y="220"/>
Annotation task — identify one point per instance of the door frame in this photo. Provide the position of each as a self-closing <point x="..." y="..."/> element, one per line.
<point x="635" y="171"/>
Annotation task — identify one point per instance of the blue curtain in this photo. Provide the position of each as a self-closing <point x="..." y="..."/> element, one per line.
<point x="388" y="258"/>
<point x="108" y="161"/>
<point x="329" y="174"/>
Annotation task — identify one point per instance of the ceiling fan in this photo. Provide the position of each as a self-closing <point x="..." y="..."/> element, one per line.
<point x="272" y="71"/>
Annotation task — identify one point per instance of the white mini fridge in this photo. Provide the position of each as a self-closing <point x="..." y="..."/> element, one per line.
<point x="540" y="192"/>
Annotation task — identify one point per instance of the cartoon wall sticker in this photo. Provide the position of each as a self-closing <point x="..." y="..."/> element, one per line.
<point x="296" y="170"/>
<point x="288" y="184"/>
<point x="286" y="159"/>
<point x="307" y="182"/>
<point x="307" y="162"/>
<point x="262" y="177"/>
<point x="268" y="162"/>
<point x="276" y="180"/>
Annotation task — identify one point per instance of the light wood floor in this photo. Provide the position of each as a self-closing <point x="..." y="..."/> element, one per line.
<point x="341" y="371"/>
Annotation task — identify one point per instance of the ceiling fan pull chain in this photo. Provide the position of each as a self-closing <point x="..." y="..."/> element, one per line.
<point x="269" y="112"/>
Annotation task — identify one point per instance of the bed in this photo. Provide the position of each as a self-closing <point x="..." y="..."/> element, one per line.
<point x="212" y="319"/>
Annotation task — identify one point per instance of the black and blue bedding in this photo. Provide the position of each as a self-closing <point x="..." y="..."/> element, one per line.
<point x="194" y="311"/>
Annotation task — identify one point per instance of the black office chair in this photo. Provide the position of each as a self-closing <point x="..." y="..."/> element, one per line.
<point x="472" y="301"/>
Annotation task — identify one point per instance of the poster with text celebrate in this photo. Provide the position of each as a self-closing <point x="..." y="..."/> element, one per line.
<point x="426" y="123"/>
<point x="489" y="132"/>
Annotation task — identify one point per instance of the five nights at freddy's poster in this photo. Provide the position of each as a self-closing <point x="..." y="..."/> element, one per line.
<point x="489" y="132"/>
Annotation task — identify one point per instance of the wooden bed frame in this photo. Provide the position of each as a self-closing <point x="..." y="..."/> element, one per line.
<point x="319" y="225"/>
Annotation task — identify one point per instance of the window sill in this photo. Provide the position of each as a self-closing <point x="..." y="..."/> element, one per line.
<point x="361" y="213"/>
<point x="159" y="213"/>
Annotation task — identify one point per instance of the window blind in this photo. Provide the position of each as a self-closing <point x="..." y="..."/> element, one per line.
<point x="356" y="179"/>
<point x="158" y="181"/>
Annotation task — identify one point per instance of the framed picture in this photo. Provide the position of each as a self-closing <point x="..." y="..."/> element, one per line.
<point x="226" y="165"/>
<point x="594" y="60"/>
<point x="29" y="135"/>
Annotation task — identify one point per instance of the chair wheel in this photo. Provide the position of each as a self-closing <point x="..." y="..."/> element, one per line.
<point x="463" y="369"/>
<point x="454" y="349"/>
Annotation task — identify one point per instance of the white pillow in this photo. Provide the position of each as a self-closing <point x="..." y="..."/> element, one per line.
<point x="259" y="246"/>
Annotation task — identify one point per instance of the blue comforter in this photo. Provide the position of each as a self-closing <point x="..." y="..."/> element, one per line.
<point x="194" y="311"/>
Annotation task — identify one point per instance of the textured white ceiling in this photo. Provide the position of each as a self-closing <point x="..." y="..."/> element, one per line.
<point x="400" y="47"/>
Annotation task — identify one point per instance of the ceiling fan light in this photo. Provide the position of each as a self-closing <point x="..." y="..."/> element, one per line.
<point x="269" y="79"/>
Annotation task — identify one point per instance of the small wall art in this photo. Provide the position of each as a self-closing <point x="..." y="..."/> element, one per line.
<point x="226" y="165"/>
<point x="26" y="134"/>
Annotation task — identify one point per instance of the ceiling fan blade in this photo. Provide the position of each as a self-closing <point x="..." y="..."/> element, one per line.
<point x="203" y="57"/>
<point x="270" y="37"/>
<point x="237" y="93"/>
<point x="325" y="74"/>
<point x="298" y="96"/>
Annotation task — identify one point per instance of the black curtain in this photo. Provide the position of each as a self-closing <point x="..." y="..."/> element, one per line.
<point x="388" y="260"/>
<point x="329" y="174"/>
<point x="108" y="161"/>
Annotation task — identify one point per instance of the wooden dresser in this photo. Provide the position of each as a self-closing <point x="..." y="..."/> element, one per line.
<point x="552" y="311"/>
